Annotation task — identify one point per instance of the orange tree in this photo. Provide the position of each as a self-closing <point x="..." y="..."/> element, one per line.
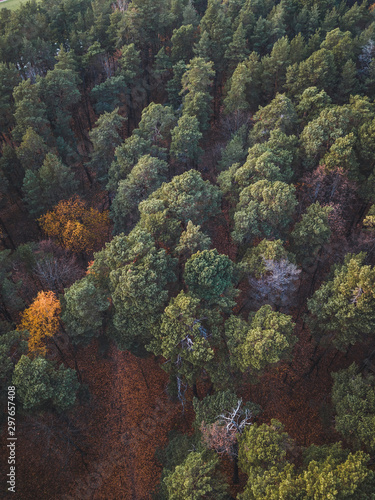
<point x="41" y="320"/>
<point x="75" y="226"/>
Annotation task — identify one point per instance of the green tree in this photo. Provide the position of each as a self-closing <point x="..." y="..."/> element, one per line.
<point x="183" y="40"/>
<point x="210" y="276"/>
<point x="265" y="339"/>
<point x="319" y="70"/>
<point x="196" y="82"/>
<point x="40" y="385"/>
<point x="187" y="197"/>
<point x="311" y="103"/>
<point x="197" y="477"/>
<point x="32" y="150"/>
<point x="185" y="140"/>
<point x="83" y="313"/>
<point x="146" y="176"/>
<point x="237" y="50"/>
<point x="236" y="99"/>
<point x="353" y="397"/>
<point x="135" y="274"/>
<point x="105" y="138"/>
<point x="185" y="338"/>
<point x="53" y="182"/>
<point x="192" y="240"/>
<point x="265" y="209"/>
<point x="30" y="111"/>
<point x="312" y="232"/>
<point x="342" y="309"/>
<point x="280" y="114"/>
<point x="109" y="94"/>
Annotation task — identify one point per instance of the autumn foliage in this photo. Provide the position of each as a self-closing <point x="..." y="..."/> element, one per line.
<point x="41" y="320"/>
<point x="75" y="226"/>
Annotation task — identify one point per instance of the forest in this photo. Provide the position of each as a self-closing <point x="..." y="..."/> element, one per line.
<point x="187" y="250"/>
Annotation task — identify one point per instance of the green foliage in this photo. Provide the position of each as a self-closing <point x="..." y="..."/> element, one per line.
<point x="40" y="385"/>
<point x="183" y="40"/>
<point x="265" y="339"/>
<point x="109" y="94"/>
<point x="53" y="182"/>
<point x="196" y="82"/>
<point x="185" y="140"/>
<point x="146" y="176"/>
<point x="234" y="151"/>
<point x="353" y="397"/>
<point x="135" y="273"/>
<point x="32" y="150"/>
<point x="83" y="312"/>
<point x="265" y="209"/>
<point x="210" y="276"/>
<point x="192" y="240"/>
<point x="280" y="114"/>
<point x="186" y="197"/>
<point x="186" y="332"/>
<point x="262" y="446"/>
<point x="30" y="111"/>
<point x="105" y="138"/>
<point x="253" y="261"/>
<point x="197" y="477"/>
<point x="312" y="232"/>
<point x="342" y="309"/>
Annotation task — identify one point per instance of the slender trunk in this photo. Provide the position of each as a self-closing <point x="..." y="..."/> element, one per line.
<point x="236" y="479"/>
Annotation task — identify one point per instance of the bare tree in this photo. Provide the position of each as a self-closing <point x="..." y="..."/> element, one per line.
<point x="277" y="285"/>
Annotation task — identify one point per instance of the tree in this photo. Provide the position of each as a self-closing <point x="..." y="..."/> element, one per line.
<point x="52" y="182"/>
<point x="319" y="70"/>
<point x="265" y="209"/>
<point x="192" y="240"/>
<point x="353" y="397"/>
<point x="125" y="158"/>
<point x="41" y="320"/>
<point x="210" y="276"/>
<point x="280" y="114"/>
<point x="185" y="338"/>
<point x="109" y="94"/>
<point x="105" y="138"/>
<point x="84" y="308"/>
<point x="39" y="385"/>
<point x="156" y="124"/>
<point x="76" y="227"/>
<point x="234" y="152"/>
<point x="32" y="150"/>
<point x="196" y="478"/>
<point x="254" y="260"/>
<point x="185" y="140"/>
<point x="196" y="82"/>
<point x="146" y="176"/>
<point x="183" y="40"/>
<point x="59" y="91"/>
<point x="265" y="339"/>
<point x="136" y="275"/>
<point x="237" y="50"/>
<point x="167" y="210"/>
<point x="277" y="285"/>
<point x="328" y="472"/>
<point x="311" y="103"/>
<point x="9" y="78"/>
<point x="236" y="99"/>
<point x="312" y="232"/>
<point x="342" y="309"/>
<point x="30" y="111"/>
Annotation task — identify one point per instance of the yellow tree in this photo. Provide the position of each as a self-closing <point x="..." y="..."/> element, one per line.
<point x="41" y="320"/>
<point x="75" y="226"/>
